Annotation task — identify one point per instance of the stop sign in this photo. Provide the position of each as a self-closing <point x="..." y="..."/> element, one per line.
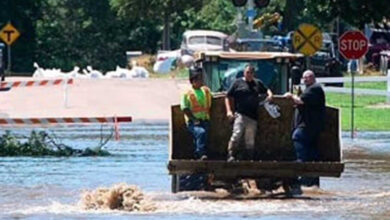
<point x="353" y="44"/>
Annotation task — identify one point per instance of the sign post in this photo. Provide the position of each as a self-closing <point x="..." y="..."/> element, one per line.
<point x="251" y="13"/>
<point x="353" y="45"/>
<point x="9" y="34"/>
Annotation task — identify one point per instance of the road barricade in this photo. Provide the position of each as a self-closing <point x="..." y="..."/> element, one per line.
<point x="51" y="82"/>
<point x="67" y="120"/>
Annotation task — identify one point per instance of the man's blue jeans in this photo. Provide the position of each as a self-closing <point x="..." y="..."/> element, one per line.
<point x="305" y="144"/>
<point x="199" y="134"/>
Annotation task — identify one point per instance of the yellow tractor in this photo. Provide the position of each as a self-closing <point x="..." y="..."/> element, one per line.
<point x="275" y="166"/>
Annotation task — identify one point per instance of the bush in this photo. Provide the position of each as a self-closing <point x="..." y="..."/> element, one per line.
<point x="42" y="144"/>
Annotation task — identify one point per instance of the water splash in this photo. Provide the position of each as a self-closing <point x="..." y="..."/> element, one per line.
<point x="120" y="196"/>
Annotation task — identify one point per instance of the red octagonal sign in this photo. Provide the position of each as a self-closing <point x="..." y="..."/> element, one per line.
<point x="353" y="44"/>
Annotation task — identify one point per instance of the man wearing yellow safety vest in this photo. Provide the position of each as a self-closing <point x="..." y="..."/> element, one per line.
<point x="196" y="103"/>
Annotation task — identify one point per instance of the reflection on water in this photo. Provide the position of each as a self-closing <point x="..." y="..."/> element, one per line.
<point x="47" y="187"/>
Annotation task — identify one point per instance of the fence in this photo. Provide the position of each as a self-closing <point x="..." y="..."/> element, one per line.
<point x="356" y="90"/>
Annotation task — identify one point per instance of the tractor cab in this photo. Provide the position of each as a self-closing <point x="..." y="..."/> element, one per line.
<point x="275" y="164"/>
<point x="222" y="68"/>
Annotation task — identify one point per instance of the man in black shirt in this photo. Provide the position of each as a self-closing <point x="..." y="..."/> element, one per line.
<point x="309" y="119"/>
<point x="241" y="104"/>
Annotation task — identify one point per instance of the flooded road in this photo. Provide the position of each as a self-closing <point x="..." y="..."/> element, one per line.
<point x="51" y="188"/>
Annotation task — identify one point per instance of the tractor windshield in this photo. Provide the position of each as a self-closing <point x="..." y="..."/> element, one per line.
<point x="220" y="75"/>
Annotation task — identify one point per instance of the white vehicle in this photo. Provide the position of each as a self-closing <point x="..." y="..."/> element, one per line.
<point x="202" y="40"/>
<point x="192" y="41"/>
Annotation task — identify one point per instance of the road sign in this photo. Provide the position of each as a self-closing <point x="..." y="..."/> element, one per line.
<point x="353" y="44"/>
<point x="9" y="34"/>
<point x="307" y="39"/>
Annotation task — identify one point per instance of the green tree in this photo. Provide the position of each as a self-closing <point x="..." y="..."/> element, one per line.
<point x="160" y="11"/>
<point x="355" y="12"/>
<point x="22" y="14"/>
<point x="65" y="33"/>
<point x="216" y="15"/>
<point x="81" y="33"/>
<point x="219" y="15"/>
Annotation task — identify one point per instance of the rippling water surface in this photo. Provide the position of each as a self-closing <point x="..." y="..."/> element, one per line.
<point x="50" y="188"/>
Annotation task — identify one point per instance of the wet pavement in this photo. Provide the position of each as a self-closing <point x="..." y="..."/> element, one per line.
<point x="51" y="188"/>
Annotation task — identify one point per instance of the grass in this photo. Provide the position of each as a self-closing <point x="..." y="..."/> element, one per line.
<point x="365" y="117"/>
<point x="368" y="85"/>
<point x="177" y="73"/>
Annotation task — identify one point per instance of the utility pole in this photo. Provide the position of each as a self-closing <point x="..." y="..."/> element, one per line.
<point x="251" y="14"/>
<point x="2" y="74"/>
<point x="246" y="30"/>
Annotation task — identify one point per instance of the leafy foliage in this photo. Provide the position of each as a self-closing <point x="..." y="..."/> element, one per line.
<point x="73" y="32"/>
<point x="22" y="14"/>
<point x="42" y="144"/>
<point x="161" y="12"/>
<point x="218" y="15"/>
<point x="355" y="12"/>
<point x="65" y="33"/>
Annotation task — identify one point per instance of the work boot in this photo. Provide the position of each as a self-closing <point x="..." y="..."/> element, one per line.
<point x="203" y="157"/>
<point x="295" y="190"/>
<point x="231" y="158"/>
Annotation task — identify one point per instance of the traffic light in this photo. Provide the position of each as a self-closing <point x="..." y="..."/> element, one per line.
<point x="261" y="3"/>
<point x="258" y="3"/>
<point x="239" y="3"/>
